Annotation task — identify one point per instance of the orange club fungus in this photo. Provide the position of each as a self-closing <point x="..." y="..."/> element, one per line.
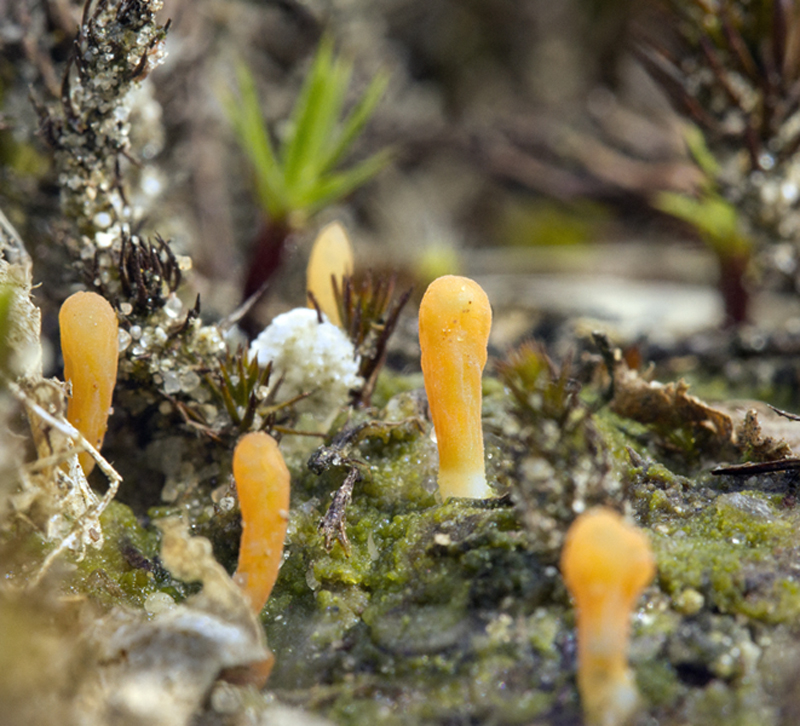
<point x="262" y="483"/>
<point x="331" y="258"/>
<point x="90" y="346"/>
<point x="454" y="322"/>
<point x="606" y="564"/>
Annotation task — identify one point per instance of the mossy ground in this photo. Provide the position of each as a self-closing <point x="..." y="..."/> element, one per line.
<point x="444" y="613"/>
<point x="455" y="613"/>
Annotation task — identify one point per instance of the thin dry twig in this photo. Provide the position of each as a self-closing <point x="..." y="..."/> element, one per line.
<point x="75" y="473"/>
<point x="332" y="525"/>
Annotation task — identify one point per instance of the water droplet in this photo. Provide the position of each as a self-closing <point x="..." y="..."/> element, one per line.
<point x="173" y="307"/>
<point x="766" y="161"/>
<point x="172" y="384"/>
<point x="124" y="338"/>
<point x="102" y="220"/>
<point x="189" y="381"/>
<point x="104" y="240"/>
<point x="790" y="192"/>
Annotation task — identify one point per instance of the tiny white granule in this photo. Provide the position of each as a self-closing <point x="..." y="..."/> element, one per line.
<point x="313" y="357"/>
<point x="158" y="602"/>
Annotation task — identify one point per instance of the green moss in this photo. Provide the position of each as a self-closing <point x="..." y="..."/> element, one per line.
<point x="658" y="682"/>
<point x="752" y="518"/>
<point x="415" y="599"/>
<point x="727" y="552"/>
<point x="718" y="705"/>
<point x="391" y="384"/>
<point x="543" y="628"/>
<point x="619" y="434"/>
<point x="453" y="612"/>
<point x="126" y="568"/>
<point x="400" y="475"/>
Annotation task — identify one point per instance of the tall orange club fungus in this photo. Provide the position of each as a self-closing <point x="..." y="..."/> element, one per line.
<point x="606" y="564"/>
<point x="331" y="257"/>
<point x="90" y="346"/>
<point x="262" y="483"/>
<point x="454" y="323"/>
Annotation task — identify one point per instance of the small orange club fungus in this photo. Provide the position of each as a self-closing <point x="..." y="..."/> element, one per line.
<point x="262" y="483"/>
<point x="90" y="346"/>
<point x="331" y="257"/>
<point x="454" y="322"/>
<point x="606" y="564"/>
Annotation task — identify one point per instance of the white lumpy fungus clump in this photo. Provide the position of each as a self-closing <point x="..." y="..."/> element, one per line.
<point x="312" y="357"/>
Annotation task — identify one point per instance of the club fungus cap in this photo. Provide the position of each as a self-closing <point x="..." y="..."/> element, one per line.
<point x="331" y="257"/>
<point x="90" y="346"/>
<point x="455" y="318"/>
<point x="262" y="483"/>
<point x="606" y="564"/>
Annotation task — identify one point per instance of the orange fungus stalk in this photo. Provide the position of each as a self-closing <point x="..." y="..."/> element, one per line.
<point x="454" y="322"/>
<point x="262" y="483"/>
<point x="606" y="564"/>
<point x="90" y="346"/>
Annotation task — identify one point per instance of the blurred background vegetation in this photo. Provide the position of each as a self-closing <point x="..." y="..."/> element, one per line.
<point x="647" y="149"/>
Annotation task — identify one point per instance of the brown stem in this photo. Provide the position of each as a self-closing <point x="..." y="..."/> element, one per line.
<point x="266" y="255"/>
<point x="735" y="296"/>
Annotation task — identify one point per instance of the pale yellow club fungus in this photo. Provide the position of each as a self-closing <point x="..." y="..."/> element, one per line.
<point x="90" y="346"/>
<point x="606" y="564"/>
<point x="454" y="323"/>
<point x="262" y="483"/>
<point x="331" y="258"/>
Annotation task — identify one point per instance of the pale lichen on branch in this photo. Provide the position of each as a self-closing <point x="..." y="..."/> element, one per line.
<point x="118" y="44"/>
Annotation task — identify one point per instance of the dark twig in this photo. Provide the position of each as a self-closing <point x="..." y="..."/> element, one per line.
<point x="785" y="414"/>
<point x="332" y="525"/>
<point x="230" y="320"/>
<point x="191" y="316"/>
<point x="765" y="467"/>
<point x="738" y="46"/>
<point x="781" y="9"/>
<point x="333" y="454"/>
<point x="336" y="454"/>
<point x="718" y="67"/>
<point x="670" y="78"/>
<point x="312" y="298"/>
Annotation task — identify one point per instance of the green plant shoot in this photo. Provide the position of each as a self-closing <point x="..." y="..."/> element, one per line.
<point x="303" y="174"/>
